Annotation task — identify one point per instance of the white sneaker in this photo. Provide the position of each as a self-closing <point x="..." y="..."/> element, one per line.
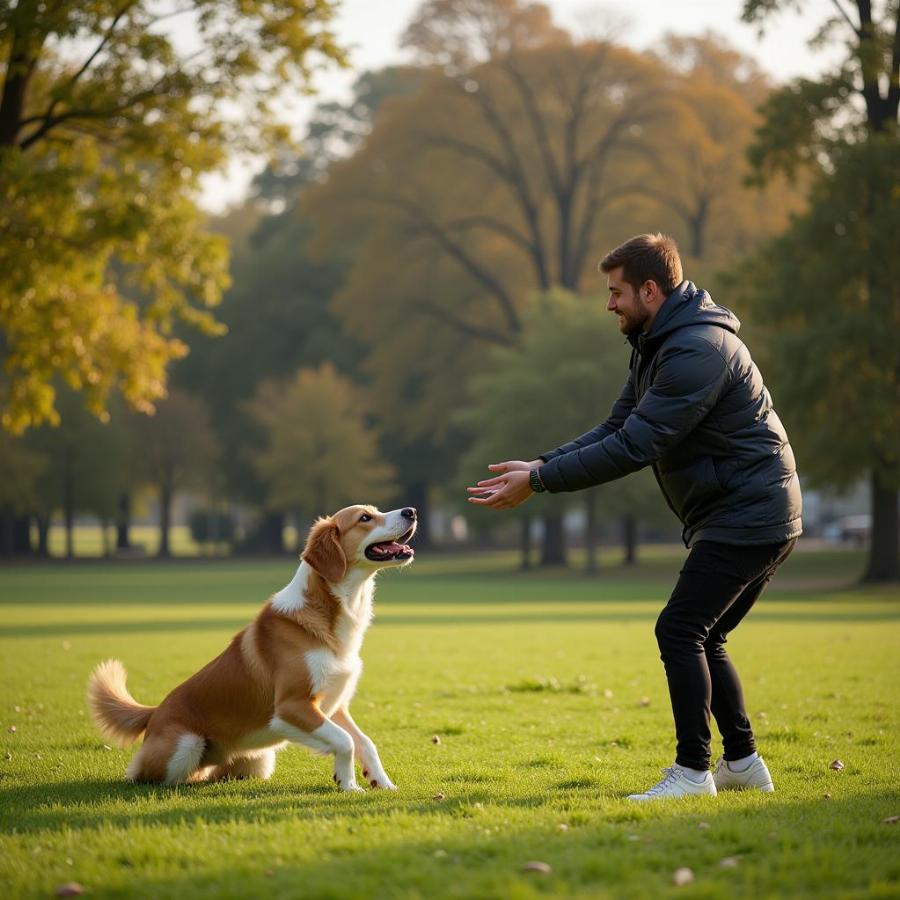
<point x="677" y="784"/>
<point x="756" y="775"/>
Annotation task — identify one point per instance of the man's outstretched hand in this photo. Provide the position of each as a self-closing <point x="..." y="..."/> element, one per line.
<point x="508" y="488"/>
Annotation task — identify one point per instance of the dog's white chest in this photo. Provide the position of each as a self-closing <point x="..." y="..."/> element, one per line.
<point x="333" y="678"/>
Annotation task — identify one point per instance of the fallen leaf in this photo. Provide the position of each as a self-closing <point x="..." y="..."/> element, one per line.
<point x="12" y="729"/>
<point x="536" y="866"/>
<point x="891" y="820"/>
<point x="563" y="827"/>
<point x="703" y="824"/>
<point x="69" y="889"/>
<point x="837" y="765"/>
<point x="435" y="739"/>
<point x="644" y="701"/>
<point x="826" y="796"/>
<point x="728" y="862"/>
<point x="438" y="797"/>
<point x="683" y="876"/>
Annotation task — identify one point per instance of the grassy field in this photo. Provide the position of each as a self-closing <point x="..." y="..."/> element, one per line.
<point x="547" y="696"/>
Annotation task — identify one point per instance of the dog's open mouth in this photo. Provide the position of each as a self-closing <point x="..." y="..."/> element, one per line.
<point x="383" y="551"/>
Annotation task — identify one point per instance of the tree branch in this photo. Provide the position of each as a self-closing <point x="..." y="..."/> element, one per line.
<point x="846" y="16"/>
<point x="537" y="125"/>
<point x="519" y="183"/>
<point x="455" y="251"/>
<point x="492" y="224"/>
<point x="461" y="325"/>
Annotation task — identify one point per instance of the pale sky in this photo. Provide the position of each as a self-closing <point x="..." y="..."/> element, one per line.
<point x="371" y="29"/>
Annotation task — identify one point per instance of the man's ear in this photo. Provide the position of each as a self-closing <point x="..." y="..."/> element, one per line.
<point x="323" y="551"/>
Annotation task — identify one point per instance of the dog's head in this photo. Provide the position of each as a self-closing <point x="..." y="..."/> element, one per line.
<point x="360" y="537"/>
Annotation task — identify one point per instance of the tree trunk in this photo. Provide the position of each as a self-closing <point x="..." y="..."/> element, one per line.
<point x="417" y="496"/>
<point x="104" y="534"/>
<point x="43" y="525"/>
<point x="590" y="533"/>
<point x="165" y="518"/>
<point x="884" y="554"/>
<point x="629" y="537"/>
<point x="525" y="543"/>
<point x="554" y="552"/>
<point x="15" y="535"/>
<point x="123" y="521"/>
<point x="271" y="532"/>
<point x="69" y="503"/>
<point x="6" y="534"/>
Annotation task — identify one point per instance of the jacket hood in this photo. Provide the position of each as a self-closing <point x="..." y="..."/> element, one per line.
<point x="688" y="305"/>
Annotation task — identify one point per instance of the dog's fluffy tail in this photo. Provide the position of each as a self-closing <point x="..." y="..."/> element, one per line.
<point x="118" y="715"/>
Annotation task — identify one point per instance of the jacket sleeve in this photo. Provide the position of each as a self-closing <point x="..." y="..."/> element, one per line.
<point x="689" y="380"/>
<point x="617" y="416"/>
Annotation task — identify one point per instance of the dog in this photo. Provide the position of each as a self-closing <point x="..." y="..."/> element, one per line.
<point x="288" y="677"/>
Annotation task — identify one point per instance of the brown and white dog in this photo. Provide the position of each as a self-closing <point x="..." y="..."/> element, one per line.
<point x="288" y="677"/>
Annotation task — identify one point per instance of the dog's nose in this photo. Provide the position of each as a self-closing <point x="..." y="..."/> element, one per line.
<point x="408" y="513"/>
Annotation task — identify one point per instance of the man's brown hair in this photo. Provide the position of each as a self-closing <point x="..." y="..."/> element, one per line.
<point x="647" y="257"/>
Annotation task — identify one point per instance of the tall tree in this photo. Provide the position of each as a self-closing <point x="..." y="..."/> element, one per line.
<point x="830" y="289"/>
<point x="106" y="126"/>
<point x="321" y="453"/>
<point x="87" y="468"/>
<point x="540" y="144"/>
<point x="175" y="449"/>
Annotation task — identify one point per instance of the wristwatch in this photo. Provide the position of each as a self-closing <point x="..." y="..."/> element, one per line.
<point x="534" y="479"/>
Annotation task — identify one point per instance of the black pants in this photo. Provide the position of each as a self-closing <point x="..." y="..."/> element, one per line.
<point x="716" y="588"/>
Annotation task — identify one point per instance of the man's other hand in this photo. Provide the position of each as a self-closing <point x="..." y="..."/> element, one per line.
<point x="506" y="490"/>
<point x="515" y="465"/>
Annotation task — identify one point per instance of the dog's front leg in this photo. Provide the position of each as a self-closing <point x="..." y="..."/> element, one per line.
<point x="302" y="723"/>
<point x="373" y="771"/>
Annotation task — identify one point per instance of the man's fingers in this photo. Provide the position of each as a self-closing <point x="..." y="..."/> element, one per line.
<point x="499" y="467"/>
<point x="491" y="482"/>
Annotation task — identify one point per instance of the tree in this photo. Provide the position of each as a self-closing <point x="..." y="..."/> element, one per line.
<point x="174" y="449"/>
<point x="700" y="179"/>
<point x="456" y="34"/>
<point x="105" y="129"/>
<point x="22" y="467"/>
<point x="558" y="382"/>
<point x="829" y="289"/>
<point x="321" y="453"/>
<point x="468" y="196"/>
<point x="87" y="466"/>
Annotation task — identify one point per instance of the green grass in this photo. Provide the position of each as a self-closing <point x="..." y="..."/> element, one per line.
<point x="537" y="685"/>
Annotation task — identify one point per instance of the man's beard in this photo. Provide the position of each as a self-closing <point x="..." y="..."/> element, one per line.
<point x="628" y="326"/>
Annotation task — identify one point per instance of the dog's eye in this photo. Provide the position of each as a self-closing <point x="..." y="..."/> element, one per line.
<point x="365" y="517"/>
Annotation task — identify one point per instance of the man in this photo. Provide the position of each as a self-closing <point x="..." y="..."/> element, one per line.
<point x="694" y="407"/>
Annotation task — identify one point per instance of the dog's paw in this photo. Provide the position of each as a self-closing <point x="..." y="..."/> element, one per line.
<point x="383" y="783"/>
<point x="349" y="786"/>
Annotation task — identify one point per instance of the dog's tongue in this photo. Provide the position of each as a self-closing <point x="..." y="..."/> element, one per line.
<point x="388" y="548"/>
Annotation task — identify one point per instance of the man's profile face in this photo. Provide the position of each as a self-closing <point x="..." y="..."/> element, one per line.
<point x="625" y="303"/>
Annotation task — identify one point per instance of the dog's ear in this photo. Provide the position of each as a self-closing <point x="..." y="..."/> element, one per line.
<point x="323" y="551"/>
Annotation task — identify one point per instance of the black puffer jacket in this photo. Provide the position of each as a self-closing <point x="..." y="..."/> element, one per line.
<point x="694" y="408"/>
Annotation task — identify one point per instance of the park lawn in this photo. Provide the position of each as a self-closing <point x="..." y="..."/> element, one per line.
<point x="548" y="699"/>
